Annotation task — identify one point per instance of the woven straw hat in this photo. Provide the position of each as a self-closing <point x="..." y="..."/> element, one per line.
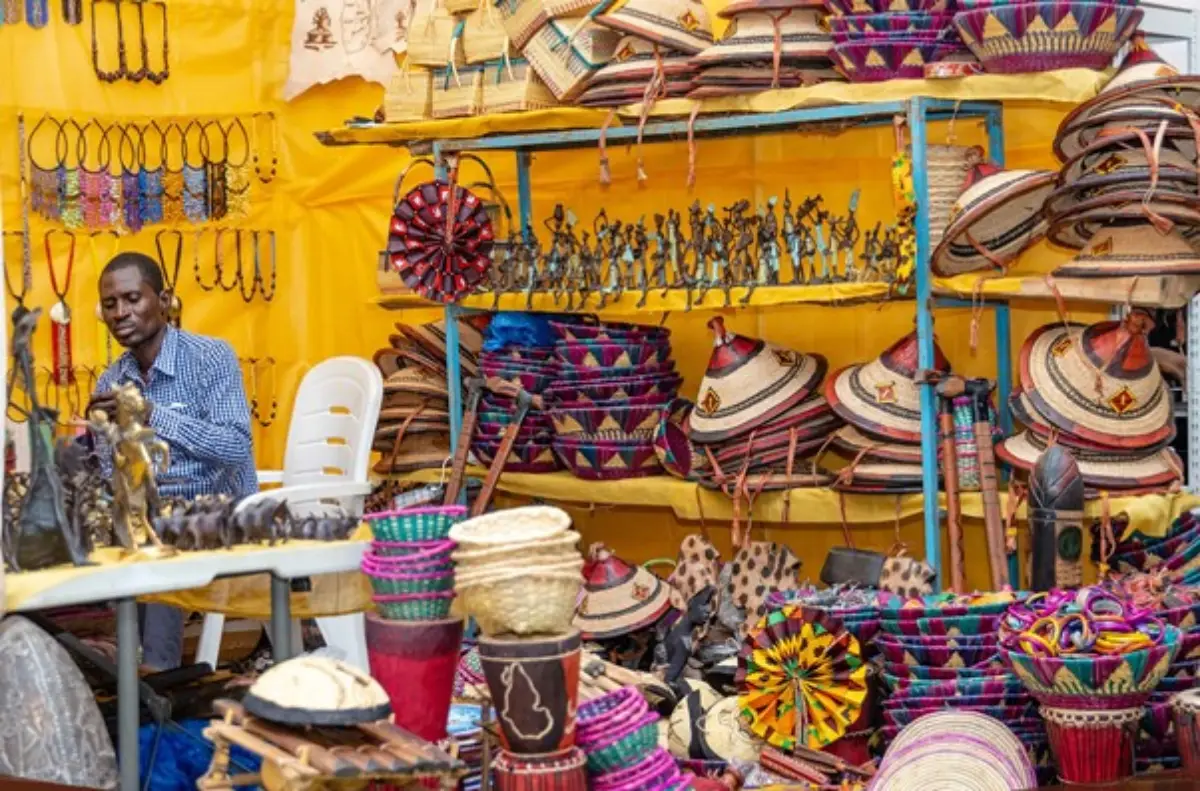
<point x="1123" y="150"/>
<point x="618" y="598"/>
<point x="1074" y="227"/>
<point x="432" y="338"/>
<point x="415" y="380"/>
<point x="312" y="690"/>
<point x="1143" y="114"/>
<point x="752" y="36"/>
<point x="880" y="397"/>
<point x="1025" y="414"/>
<point x="1101" y="470"/>
<point x="1143" y="76"/>
<point x="851" y="442"/>
<point x="679" y="24"/>
<point x="637" y="60"/>
<point x="1128" y="250"/>
<point x="1098" y="382"/>
<point x="748" y="383"/>
<point x="998" y="214"/>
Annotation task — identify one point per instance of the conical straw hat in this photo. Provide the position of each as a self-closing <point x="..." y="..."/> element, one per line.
<point x="850" y="442"/>
<point x="637" y="60"/>
<point x="1101" y="470"/>
<point x="432" y="338"/>
<point x="880" y="397"/>
<point x="749" y="382"/>
<point x="1133" y="250"/>
<point x="1142" y="114"/>
<point x="998" y="214"/>
<point x="1119" y="149"/>
<point x="751" y="37"/>
<point x="1025" y="414"/>
<point x="618" y="598"/>
<point x="682" y="25"/>
<point x="1099" y="382"/>
<point x="1143" y="76"/>
<point x="1074" y="227"/>
<point x="415" y="380"/>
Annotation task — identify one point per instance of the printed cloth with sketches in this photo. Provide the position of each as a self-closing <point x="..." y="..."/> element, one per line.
<point x="333" y="39"/>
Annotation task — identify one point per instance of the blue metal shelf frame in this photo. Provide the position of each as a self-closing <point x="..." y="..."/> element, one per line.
<point x="918" y="112"/>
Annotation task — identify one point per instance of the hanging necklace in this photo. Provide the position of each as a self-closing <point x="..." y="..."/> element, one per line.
<point x="160" y="76"/>
<point x="216" y="261"/>
<point x="237" y="172"/>
<point x="219" y="260"/>
<point x="215" y="197"/>
<point x="60" y="312"/>
<point x="175" y="306"/>
<point x="273" y="131"/>
<point x="195" y="177"/>
<point x="122" y="69"/>
<point x="46" y="192"/>
<point x="37" y="13"/>
<point x="26" y="275"/>
<point x="259" y="282"/>
<point x="72" y="11"/>
<point x="71" y="178"/>
<point x="266" y="422"/>
<point x="174" y="182"/>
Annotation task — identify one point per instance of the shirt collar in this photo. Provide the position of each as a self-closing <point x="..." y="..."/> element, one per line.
<point x="165" y="363"/>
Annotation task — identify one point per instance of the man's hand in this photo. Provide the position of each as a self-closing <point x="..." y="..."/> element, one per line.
<point x="106" y="402"/>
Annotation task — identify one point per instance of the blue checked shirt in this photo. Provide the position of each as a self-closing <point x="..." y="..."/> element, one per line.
<point x="200" y="411"/>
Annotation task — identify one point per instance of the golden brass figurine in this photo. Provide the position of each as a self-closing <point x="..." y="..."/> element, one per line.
<point x="138" y="457"/>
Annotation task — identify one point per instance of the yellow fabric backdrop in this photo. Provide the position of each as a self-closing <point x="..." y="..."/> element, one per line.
<point x="329" y="208"/>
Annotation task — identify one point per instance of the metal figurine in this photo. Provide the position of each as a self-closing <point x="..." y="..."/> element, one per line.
<point x="698" y="245"/>
<point x="872" y="247"/>
<point x="635" y="256"/>
<point x="573" y="269"/>
<point x="528" y="257"/>
<point x="819" y="219"/>
<point x="849" y="235"/>
<point x="556" y="259"/>
<point x="768" y="249"/>
<point x="615" y="283"/>
<point x="714" y="254"/>
<point x="658" y="257"/>
<point x="138" y="456"/>
<point x="675" y="255"/>
<point x="810" y="247"/>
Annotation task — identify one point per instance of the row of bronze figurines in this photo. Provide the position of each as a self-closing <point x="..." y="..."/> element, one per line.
<point x="719" y="251"/>
<point x="65" y="506"/>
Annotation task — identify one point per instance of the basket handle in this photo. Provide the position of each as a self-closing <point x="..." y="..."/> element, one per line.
<point x="499" y="197"/>
<point x="650" y="564"/>
<point x="404" y="173"/>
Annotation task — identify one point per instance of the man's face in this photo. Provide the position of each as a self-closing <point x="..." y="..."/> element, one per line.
<point x="131" y="310"/>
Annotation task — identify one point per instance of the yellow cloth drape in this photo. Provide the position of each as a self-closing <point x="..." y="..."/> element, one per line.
<point x="329" y="208"/>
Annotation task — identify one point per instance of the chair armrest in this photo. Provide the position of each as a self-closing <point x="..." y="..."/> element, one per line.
<point x="306" y="493"/>
<point x="269" y="476"/>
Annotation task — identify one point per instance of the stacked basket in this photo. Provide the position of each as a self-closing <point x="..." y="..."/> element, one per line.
<point x="519" y="578"/>
<point x="941" y="652"/>
<point x="619" y="735"/>
<point x="533" y="369"/>
<point x="873" y="42"/>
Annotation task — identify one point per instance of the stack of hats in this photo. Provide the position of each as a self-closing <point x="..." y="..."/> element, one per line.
<point x="1092" y="658"/>
<point x="1097" y="391"/>
<point x="653" y="60"/>
<point x="1125" y="197"/>
<point x="759" y="411"/>
<point x="619" y="735"/>
<point x="942" y="651"/>
<point x="519" y="578"/>
<point x="412" y="642"/>
<point x="873" y="47"/>
<point x="955" y="749"/>
<point x="998" y="214"/>
<point x="413" y="431"/>
<point x="533" y="369"/>
<point x="769" y="44"/>
<point x="613" y="383"/>
<point x="618" y="598"/>
<point x="880" y="402"/>
<point x="1045" y="35"/>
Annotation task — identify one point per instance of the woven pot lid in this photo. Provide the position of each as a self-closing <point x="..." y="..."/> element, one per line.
<point x="311" y="690"/>
<point x="1098" y="382"/>
<point x="528" y="524"/>
<point x="617" y="598"/>
<point x="682" y="25"/>
<point x="1142" y="114"/>
<point x="1133" y="250"/>
<point x="1073" y="228"/>
<point x="440" y="257"/>
<point x="1102" y="470"/>
<point x="637" y="59"/>
<point x="749" y="382"/>
<point x="880" y="397"/>
<point x="432" y="338"/>
<point x="850" y="442"/>
<point x="1143" y="76"/>
<point x="751" y="37"/>
<point x="415" y="380"/>
<point x="1001" y="212"/>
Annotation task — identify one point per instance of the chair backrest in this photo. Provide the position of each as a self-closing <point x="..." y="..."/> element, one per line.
<point x="333" y="424"/>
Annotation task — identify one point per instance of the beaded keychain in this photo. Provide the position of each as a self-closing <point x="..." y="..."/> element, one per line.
<point x="70" y="186"/>
<point x="195" y="177"/>
<point x="60" y="312"/>
<point x="175" y="308"/>
<point x="46" y="189"/>
<point x="237" y="173"/>
<point x="257" y="146"/>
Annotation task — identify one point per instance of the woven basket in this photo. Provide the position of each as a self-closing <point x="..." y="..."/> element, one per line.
<point x="437" y="582"/>
<point x="566" y="55"/>
<point x="512" y="525"/>
<point x="538" y="551"/>
<point x="460" y="7"/>
<point x="947" y="167"/>
<point x="512" y="86"/>
<point x="484" y="37"/>
<point x="457" y="92"/>
<point x="408" y="96"/>
<point x="414" y="607"/>
<point x="628" y="746"/>
<point x="430" y="34"/>
<point x="523" y="602"/>
<point x="523" y="18"/>
<point x="568" y="564"/>
<point x="415" y="524"/>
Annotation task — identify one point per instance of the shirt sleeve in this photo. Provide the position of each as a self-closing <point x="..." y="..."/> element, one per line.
<point x="223" y="435"/>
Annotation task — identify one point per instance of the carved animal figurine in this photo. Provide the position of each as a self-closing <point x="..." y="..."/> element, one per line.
<point x="86" y="498"/>
<point x="138" y="456"/>
<point x="42" y="535"/>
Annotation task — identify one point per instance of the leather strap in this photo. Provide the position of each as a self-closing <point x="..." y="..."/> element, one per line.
<point x="463" y="447"/>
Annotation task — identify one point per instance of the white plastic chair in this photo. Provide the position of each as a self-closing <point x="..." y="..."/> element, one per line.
<point x="325" y="468"/>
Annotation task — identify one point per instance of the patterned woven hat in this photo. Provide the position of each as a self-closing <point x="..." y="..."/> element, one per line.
<point x="1120" y="149"/>
<point x="1143" y="76"/>
<point x="756" y="29"/>
<point x="417" y="381"/>
<point x="747" y="383"/>
<point x="1101" y="470"/>
<point x="679" y="24"/>
<point x="1143" y="114"/>
<point x="618" y="598"/>
<point x="1099" y="382"/>
<point x="439" y="256"/>
<point x="880" y="397"/>
<point x="1133" y="250"/>
<point x="851" y="442"/>
<point x="637" y="60"/>
<point x="998" y="214"/>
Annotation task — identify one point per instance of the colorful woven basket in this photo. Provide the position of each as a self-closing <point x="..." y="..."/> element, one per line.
<point x="607" y="461"/>
<point x="619" y="423"/>
<point x="624" y="746"/>
<point x="890" y="59"/>
<point x="1186" y="708"/>
<point x="415" y="524"/>
<point x="415" y="606"/>
<point x="1092" y="746"/>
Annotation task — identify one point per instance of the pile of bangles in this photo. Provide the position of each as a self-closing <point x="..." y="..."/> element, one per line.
<point x="1086" y="621"/>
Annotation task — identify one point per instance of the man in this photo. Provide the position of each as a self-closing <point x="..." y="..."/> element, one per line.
<point x="193" y="385"/>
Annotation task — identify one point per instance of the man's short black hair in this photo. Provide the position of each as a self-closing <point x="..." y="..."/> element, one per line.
<point x="146" y="266"/>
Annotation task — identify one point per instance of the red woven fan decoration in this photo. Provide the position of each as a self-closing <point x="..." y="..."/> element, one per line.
<point x="440" y="260"/>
